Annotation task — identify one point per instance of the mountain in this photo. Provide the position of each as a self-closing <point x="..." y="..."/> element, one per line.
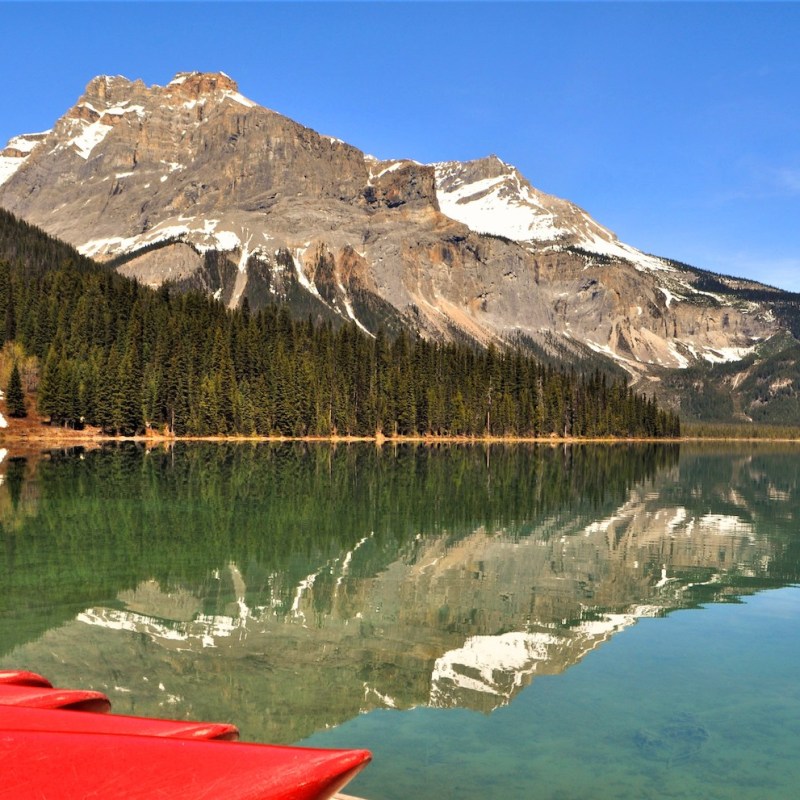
<point x="195" y="184"/>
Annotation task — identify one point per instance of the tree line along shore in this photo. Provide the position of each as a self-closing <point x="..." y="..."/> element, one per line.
<point x="105" y="352"/>
<point x="95" y="349"/>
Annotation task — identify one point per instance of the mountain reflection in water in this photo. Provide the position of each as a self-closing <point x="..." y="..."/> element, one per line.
<point x="288" y="588"/>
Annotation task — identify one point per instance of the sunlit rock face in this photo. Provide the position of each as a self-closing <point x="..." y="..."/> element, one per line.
<point x="162" y="176"/>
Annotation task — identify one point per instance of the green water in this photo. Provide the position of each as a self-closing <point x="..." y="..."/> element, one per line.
<point x="526" y="622"/>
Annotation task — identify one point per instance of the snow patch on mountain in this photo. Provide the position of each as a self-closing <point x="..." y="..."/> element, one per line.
<point x="88" y="137"/>
<point x="202" y="233"/>
<point x="587" y="239"/>
<point x="724" y="355"/>
<point x="678" y="352"/>
<point x="505" y="204"/>
<point x="669" y="297"/>
<point x="393" y="166"/>
<point x="241" y="275"/>
<point x="680" y="359"/>
<point x="239" y="98"/>
<point x="16" y="153"/>
<point x="220" y="240"/>
<point x="631" y="366"/>
<point x="499" y="205"/>
<point x="303" y="279"/>
<point x="26" y="142"/>
<point x="9" y="165"/>
<point x="125" y="108"/>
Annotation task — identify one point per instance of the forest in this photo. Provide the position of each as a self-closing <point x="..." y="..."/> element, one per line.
<point x="114" y="354"/>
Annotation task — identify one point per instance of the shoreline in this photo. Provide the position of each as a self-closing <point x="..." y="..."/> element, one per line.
<point x="55" y="438"/>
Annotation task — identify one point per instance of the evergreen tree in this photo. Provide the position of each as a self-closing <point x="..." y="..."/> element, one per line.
<point x="128" y="417"/>
<point x="8" y="325"/>
<point x="106" y="390"/>
<point x="50" y="385"/>
<point x="15" y="398"/>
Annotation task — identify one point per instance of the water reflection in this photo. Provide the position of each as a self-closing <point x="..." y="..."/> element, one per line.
<point x="291" y="587"/>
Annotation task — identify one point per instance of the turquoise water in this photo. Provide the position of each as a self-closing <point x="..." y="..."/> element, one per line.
<point x="543" y="622"/>
<point x="697" y="705"/>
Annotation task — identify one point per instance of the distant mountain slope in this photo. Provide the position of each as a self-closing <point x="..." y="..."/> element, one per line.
<point x="20" y="241"/>
<point x="195" y="184"/>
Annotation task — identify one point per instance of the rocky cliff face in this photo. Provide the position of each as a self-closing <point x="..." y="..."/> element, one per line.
<point x="158" y="177"/>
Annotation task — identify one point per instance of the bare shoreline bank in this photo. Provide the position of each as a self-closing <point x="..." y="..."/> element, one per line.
<point x="64" y="437"/>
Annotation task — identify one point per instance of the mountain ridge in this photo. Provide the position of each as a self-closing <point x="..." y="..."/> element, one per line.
<point x="453" y="250"/>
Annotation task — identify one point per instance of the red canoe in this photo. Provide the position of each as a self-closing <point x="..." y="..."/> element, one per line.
<point x="24" y="718"/>
<point x="39" y="765"/>
<point x="38" y="696"/>
<point x="49" y="750"/>
<point x="21" y="677"/>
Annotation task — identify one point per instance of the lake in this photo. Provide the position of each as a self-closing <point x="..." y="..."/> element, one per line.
<point x="555" y="622"/>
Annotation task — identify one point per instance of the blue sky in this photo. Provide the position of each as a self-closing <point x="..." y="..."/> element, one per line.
<point x="677" y="125"/>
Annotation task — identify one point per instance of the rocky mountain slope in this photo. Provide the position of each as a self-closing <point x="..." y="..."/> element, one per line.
<point x="195" y="184"/>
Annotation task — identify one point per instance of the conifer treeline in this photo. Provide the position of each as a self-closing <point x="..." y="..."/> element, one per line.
<point x="121" y="356"/>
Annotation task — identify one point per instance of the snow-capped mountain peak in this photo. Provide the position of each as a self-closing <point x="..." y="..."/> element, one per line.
<point x="489" y="196"/>
<point x="193" y="183"/>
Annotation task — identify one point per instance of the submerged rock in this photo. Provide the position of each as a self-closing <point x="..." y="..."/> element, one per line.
<point x="676" y="742"/>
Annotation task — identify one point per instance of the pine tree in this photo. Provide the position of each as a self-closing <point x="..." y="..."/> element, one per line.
<point x="5" y="296"/>
<point x="15" y="399"/>
<point x="128" y="415"/>
<point x="8" y="327"/>
<point x="50" y="385"/>
<point x="106" y="390"/>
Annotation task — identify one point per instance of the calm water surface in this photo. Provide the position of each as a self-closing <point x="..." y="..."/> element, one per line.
<point x="511" y="622"/>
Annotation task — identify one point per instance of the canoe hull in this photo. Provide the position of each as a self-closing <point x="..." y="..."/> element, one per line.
<point x="42" y="765"/>
<point x="22" y="718"/>
<point x="13" y="694"/>
<point x="55" y="746"/>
